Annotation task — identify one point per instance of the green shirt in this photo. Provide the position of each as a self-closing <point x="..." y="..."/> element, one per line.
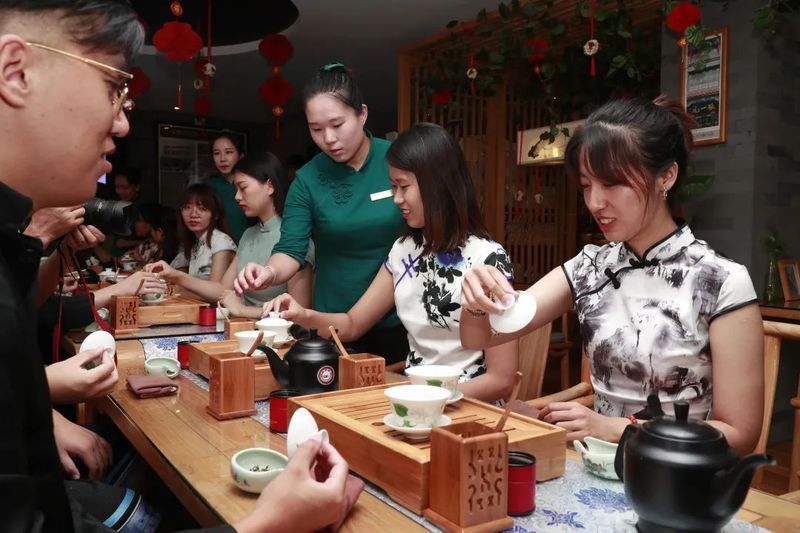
<point x="256" y="246"/>
<point x="352" y="228"/>
<point x="237" y="221"/>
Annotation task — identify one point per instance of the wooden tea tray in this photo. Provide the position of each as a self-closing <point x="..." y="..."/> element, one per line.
<point x="173" y="310"/>
<point x="354" y="420"/>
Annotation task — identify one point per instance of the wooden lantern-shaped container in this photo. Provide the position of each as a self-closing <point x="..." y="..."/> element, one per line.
<point x="234" y="326"/>
<point x="468" y="478"/>
<point x="231" y="385"/>
<point x="361" y="370"/>
<point x="124" y="315"/>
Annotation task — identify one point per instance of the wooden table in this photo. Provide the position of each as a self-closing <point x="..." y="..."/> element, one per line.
<point x="190" y="451"/>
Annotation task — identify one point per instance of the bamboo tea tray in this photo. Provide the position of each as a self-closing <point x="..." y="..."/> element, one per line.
<point x="173" y="310"/>
<point x="199" y="363"/>
<point x="354" y="420"/>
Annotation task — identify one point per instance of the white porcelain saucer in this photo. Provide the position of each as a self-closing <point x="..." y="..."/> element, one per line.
<point x="415" y="433"/>
<point x="455" y="398"/>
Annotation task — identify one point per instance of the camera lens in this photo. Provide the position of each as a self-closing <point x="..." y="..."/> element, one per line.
<point x="110" y="216"/>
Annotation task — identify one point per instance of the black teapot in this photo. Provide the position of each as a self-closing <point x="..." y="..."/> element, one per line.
<point x="310" y="366"/>
<point x="680" y="474"/>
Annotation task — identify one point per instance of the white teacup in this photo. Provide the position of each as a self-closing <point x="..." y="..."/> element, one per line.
<point x="162" y="366"/>
<point x="247" y="338"/>
<point x="417" y="406"/>
<point x="435" y="375"/>
<point x="277" y="325"/>
<point x="128" y="266"/>
<point x="153" y="297"/>
<point x="252" y="469"/>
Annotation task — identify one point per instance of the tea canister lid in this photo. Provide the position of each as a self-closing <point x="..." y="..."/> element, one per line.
<point x="681" y="428"/>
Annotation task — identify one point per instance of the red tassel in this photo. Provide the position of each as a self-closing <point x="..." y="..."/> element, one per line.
<point x="592" y="68"/>
<point x="472" y="87"/>
<point x="277" y="128"/>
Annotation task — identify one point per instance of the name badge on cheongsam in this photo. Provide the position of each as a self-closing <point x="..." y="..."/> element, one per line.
<point x="380" y="195"/>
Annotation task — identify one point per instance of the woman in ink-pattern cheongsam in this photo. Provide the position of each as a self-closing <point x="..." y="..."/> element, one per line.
<point x="660" y="311"/>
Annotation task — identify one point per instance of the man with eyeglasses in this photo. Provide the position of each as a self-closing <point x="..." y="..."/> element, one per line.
<point x="63" y="94"/>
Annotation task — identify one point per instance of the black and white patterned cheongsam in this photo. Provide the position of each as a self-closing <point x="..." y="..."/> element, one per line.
<point x="645" y="321"/>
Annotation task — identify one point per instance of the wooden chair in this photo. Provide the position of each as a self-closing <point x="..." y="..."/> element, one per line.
<point x="559" y="348"/>
<point x="533" y="349"/>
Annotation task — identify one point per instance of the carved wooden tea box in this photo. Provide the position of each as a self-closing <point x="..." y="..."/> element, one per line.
<point x="361" y="370"/>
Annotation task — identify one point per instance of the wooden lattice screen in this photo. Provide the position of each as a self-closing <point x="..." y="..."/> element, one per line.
<point x="532" y="210"/>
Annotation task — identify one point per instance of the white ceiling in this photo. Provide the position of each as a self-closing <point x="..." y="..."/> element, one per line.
<point x="363" y="34"/>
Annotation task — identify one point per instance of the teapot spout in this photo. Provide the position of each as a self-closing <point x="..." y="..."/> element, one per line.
<point x="278" y="366"/>
<point x="730" y="486"/>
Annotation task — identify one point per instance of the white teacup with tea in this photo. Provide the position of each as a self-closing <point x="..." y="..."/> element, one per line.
<point x="417" y="406"/>
<point x="436" y="376"/>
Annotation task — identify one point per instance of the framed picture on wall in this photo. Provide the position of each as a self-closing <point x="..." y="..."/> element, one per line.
<point x="789" y="273"/>
<point x="184" y="157"/>
<point x="704" y="87"/>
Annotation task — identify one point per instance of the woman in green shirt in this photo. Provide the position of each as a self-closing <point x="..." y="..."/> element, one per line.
<point x="261" y="185"/>
<point x="343" y="198"/>
<point x="227" y="150"/>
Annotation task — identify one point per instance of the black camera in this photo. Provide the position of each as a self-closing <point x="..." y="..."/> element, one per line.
<point x="110" y="216"/>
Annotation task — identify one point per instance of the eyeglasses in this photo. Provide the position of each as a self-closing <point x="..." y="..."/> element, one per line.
<point x="201" y="209"/>
<point x="120" y="99"/>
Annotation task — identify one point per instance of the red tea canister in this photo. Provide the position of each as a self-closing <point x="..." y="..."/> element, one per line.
<point x="521" y="483"/>
<point x="278" y="405"/>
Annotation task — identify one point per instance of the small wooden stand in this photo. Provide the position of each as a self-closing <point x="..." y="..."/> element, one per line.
<point x="124" y="314"/>
<point x="231" y="386"/>
<point x="361" y="370"/>
<point x="469" y="479"/>
<point x="234" y="326"/>
<point x="200" y="354"/>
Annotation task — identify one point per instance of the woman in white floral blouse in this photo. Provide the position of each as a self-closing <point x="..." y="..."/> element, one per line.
<point x="660" y="311"/>
<point x="445" y="236"/>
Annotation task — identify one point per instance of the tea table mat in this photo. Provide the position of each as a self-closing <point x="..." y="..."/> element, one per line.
<point x="576" y="501"/>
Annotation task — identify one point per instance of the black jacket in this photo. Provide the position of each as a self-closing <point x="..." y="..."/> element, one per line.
<point x="31" y="481"/>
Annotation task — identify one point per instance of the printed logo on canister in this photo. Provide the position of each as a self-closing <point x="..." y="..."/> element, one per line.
<point x="325" y="375"/>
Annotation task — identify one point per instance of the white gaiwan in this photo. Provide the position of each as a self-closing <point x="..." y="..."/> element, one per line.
<point x="516" y="316"/>
<point x="277" y="325"/>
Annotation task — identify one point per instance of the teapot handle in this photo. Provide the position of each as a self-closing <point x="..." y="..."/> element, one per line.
<point x="619" y="459"/>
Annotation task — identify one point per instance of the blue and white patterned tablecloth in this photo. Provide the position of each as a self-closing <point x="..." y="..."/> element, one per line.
<point x="574" y="502"/>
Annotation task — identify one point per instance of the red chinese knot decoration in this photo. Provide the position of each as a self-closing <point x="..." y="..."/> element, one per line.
<point x="202" y="105"/>
<point x="682" y="16"/>
<point x="177" y="41"/>
<point x="276" y="91"/>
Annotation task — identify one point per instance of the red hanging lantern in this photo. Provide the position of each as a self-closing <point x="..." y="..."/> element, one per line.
<point x="682" y="16"/>
<point x="203" y="106"/>
<point x="276" y="49"/>
<point x="276" y="91"/>
<point x="140" y="83"/>
<point x="177" y="41"/>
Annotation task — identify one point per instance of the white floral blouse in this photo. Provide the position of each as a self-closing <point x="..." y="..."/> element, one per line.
<point x="427" y="295"/>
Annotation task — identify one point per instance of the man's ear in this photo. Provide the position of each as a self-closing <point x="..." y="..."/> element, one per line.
<point x="15" y="58"/>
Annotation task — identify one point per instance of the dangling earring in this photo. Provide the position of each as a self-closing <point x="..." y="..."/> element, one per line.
<point x="664" y="192"/>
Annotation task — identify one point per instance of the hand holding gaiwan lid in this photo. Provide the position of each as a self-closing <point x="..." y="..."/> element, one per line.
<point x="517" y="314"/>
